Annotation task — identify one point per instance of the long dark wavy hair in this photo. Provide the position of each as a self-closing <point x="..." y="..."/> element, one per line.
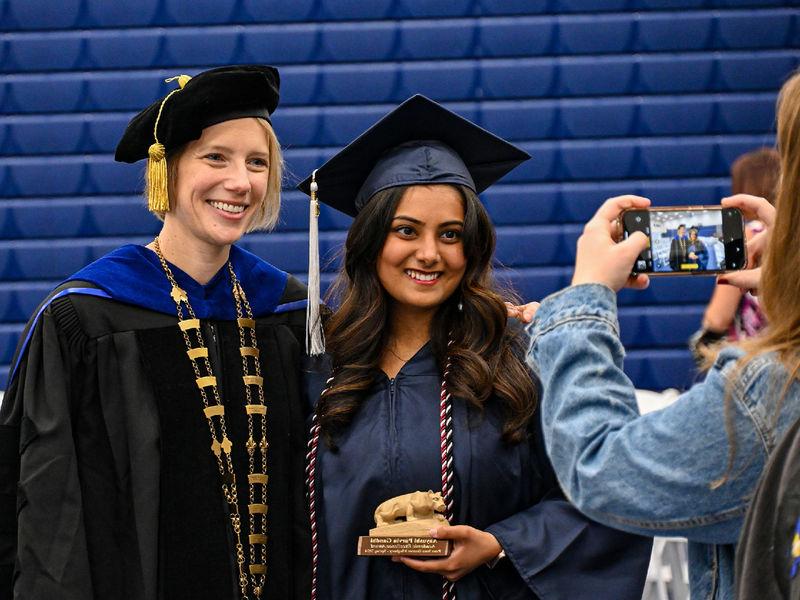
<point x="485" y="354"/>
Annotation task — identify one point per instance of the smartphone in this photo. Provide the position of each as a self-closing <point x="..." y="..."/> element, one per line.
<point x="688" y="240"/>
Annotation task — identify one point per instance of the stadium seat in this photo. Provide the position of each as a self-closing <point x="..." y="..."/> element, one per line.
<point x="424" y="8"/>
<point x="377" y="83"/>
<point x="596" y="34"/>
<point x="674" y="115"/>
<point x="597" y="118"/>
<point x="746" y="113"/>
<point x="660" y="369"/>
<point x="568" y="6"/>
<point x="42" y="177"/>
<point x="603" y="75"/>
<point x="598" y="159"/>
<point x="42" y="52"/>
<point x="19" y="299"/>
<point x="668" y="74"/>
<point x="9" y="334"/>
<point x="285" y="44"/>
<point x="358" y="42"/>
<point x="26" y="135"/>
<point x="518" y="36"/>
<point x="52" y="260"/>
<point x="41" y="14"/>
<point x="533" y="283"/>
<point x="441" y="80"/>
<point x="41" y="93"/>
<point x="123" y="14"/>
<point x="537" y="246"/>
<point x="259" y="11"/>
<point x="515" y="204"/>
<point x="207" y="46"/>
<point x="661" y="326"/>
<point x="744" y="71"/>
<point x="674" y="32"/>
<point x="758" y="29"/>
<point x="525" y="78"/>
<point x="543" y="166"/>
<point x="105" y="176"/>
<point x="679" y="157"/>
<point x="200" y="11"/>
<point x="437" y="39"/>
<point x="514" y="7"/>
<point x="669" y="291"/>
<point x="334" y="10"/>
<point x="521" y="120"/>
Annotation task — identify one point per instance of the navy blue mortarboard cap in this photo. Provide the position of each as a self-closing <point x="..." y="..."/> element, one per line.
<point x="419" y="142"/>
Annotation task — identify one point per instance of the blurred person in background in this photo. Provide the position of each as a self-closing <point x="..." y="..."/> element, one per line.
<point x="733" y="314"/>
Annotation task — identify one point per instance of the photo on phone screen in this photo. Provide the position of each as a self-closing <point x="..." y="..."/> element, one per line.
<point x="688" y="240"/>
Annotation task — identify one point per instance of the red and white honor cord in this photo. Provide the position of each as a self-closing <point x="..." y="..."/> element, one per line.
<point x="446" y="449"/>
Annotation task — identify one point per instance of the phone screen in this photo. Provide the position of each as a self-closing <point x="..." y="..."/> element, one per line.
<point x="688" y="240"/>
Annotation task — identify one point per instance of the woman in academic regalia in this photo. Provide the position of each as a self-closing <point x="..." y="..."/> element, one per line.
<point x="152" y="434"/>
<point x="429" y="390"/>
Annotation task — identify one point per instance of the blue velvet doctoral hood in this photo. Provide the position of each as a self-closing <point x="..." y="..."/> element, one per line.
<point x="133" y="274"/>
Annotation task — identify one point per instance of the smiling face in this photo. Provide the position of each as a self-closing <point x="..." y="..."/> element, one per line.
<point x="220" y="184"/>
<point x="422" y="260"/>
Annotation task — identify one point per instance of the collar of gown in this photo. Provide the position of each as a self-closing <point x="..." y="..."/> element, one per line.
<point x="133" y="275"/>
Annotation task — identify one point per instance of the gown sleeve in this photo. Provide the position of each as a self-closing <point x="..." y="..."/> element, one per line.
<point x="560" y="553"/>
<point x="42" y="541"/>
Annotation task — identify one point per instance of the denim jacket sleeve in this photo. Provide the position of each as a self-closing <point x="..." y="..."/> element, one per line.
<point x="649" y="474"/>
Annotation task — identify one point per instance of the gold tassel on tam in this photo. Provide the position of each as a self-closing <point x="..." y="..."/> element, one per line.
<point x="157" y="194"/>
<point x="156" y="173"/>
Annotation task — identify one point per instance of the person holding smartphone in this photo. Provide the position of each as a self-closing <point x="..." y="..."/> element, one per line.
<point x="690" y="469"/>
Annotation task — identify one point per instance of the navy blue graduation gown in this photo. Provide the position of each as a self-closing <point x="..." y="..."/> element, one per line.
<point x="392" y="447"/>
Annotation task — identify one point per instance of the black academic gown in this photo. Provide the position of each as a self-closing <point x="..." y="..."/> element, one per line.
<point x="108" y="487"/>
<point x="392" y="448"/>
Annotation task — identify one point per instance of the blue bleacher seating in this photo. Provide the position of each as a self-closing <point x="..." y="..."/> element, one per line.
<point x="441" y="80"/>
<point x="660" y="369"/>
<point x="284" y="44"/>
<point x="597" y="118"/>
<point x="596" y="34"/>
<point x="521" y="120"/>
<point x="659" y="32"/>
<point x="652" y="97"/>
<point x="757" y="29"/>
<point x="201" y="11"/>
<point x="596" y="75"/>
<point x="527" y="78"/>
<point x="358" y="42"/>
<point x="438" y="39"/>
<point x="42" y="52"/>
<point x="762" y="71"/>
<point x="209" y="47"/>
<point x="122" y="14"/>
<point x="8" y="342"/>
<point x="662" y="326"/>
<point x="518" y="36"/>
<point x="41" y="14"/>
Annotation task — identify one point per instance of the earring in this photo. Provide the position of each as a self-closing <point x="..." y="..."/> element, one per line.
<point x="460" y="306"/>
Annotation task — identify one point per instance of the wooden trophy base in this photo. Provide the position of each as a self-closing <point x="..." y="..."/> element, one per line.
<point x="410" y="538"/>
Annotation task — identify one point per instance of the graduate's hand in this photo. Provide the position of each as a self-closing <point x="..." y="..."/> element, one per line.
<point x="523" y="313"/>
<point x="599" y="258"/>
<point x="471" y="548"/>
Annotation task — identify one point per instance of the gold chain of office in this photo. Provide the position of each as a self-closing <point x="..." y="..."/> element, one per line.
<point x="253" y="575"/>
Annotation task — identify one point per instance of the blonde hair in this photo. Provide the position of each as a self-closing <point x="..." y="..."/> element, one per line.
<point x="269" y="207"/>
<point x="779" y="288"/>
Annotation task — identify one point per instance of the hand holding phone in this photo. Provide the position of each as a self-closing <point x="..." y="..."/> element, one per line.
<point x="688" y="240"/>
<point x="599" y="258"/>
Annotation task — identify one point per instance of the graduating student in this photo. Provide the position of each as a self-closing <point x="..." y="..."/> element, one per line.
<point x="429" y="390"/>
<point x="151" y="437"/>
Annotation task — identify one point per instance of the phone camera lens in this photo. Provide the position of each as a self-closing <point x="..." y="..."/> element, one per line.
<point x="638" y="219"/>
